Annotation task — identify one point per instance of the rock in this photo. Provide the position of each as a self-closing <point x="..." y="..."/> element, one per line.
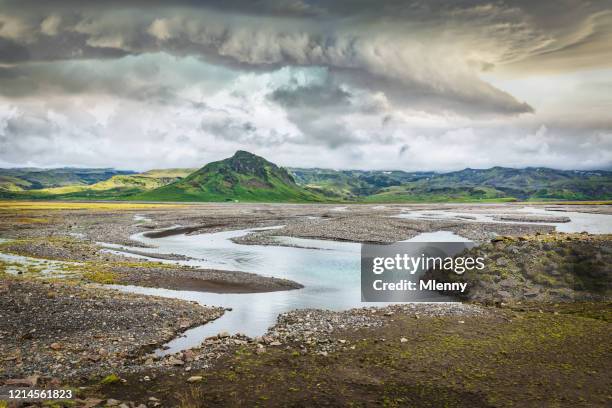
<point x="94" y="357"/>
<point x="503" y="294"/>
<point x="260" y="350"/>
<point x="403" y="340"/>
<point x="24" y="382"/>
<point x="194" y="379"/>
<point x="188" y="355"/>
<point x="223" y="335"/>
<point x="33" y="379"/>
<point x="112" y="402"/>
<point x="175" y="361"/>
<point x="124" y="405"/>
<point x="55" y="346"/>
<point x="501" y="262"/>
<point x="275" y="343"/>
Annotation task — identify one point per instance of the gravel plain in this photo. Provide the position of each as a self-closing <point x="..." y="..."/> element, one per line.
<point x="62" y="329"/>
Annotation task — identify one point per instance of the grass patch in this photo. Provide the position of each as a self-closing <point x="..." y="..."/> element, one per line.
<point x="110" y="379"/>
<point x="57" y="205"/>
<point x="98" y="276"/>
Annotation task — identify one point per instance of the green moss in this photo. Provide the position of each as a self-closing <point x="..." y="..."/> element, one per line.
<point x="100" y="276"/>
<point x="110" y="379"/>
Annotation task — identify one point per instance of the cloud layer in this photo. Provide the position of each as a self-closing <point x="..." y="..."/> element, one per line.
<point x="345" y="84"/>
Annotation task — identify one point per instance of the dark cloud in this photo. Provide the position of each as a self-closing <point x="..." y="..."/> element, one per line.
<point x="317" y="96"/>
<point x="426" y="54"/>
<point x="11" y="51"/>
<point x="344" y="76"/>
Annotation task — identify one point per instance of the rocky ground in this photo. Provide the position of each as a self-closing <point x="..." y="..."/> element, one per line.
<point x="417" y="355"/>
<point x="527" y="356"/>
<point x="61" y="330"/>
<point x="544" y="268"/>
<point x="96" y="264"/>
<point x="385" y="229"/>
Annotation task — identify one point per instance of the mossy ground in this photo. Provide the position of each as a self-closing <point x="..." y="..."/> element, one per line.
<point x="555" y="357"/>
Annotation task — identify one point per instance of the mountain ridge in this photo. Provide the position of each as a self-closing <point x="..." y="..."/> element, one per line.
<point x="249" y="177"/>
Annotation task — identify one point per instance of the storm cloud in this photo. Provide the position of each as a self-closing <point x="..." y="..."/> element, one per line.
<point x="189" y="81"/>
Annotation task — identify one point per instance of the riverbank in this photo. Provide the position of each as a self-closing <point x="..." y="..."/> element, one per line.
<point x="556" y="355"/>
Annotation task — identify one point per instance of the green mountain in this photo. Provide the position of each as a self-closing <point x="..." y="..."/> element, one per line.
<point x="247" y="177"/>
<point x="502" y="184"/>
<point x="35" y="178"/>
<point x="114" y="187"/>
<point x="242" y="177"/>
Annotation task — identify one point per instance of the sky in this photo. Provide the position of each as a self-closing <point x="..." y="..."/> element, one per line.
<point x="346" y="84"/>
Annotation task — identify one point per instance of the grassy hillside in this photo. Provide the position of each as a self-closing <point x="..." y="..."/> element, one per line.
<point x="352" y="184"/>
<point x="503" y="184"/>
<point x="34" y="178"/>
<point x="116" y="187"/>
<point x="494" y="184"/>
<point x="242" y="177"/>
<point x="247" y="177"/>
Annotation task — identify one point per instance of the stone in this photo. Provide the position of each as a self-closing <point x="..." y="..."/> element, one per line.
<point x="112" y="402"/>
<point x="175" y="361"/>
<point x="194" y="379"/>
<point x="403" y="340"/>
<point x="501" y="262"/>
<point x="24" y="382"/>
<point x="55" y="346"/>
<point x="188" y="355"/>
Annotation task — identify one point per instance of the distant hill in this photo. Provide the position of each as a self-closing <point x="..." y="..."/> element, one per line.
<point x="352" y="184"/>
<point x="114" y="187"/>
<point x="23" y="179"/>
<point x="247" y="177"/>
<point x="502" y="184"/>
<point x="242" y="177"/>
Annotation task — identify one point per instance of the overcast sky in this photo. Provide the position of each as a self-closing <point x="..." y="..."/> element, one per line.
<point x="385" y="84"/>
